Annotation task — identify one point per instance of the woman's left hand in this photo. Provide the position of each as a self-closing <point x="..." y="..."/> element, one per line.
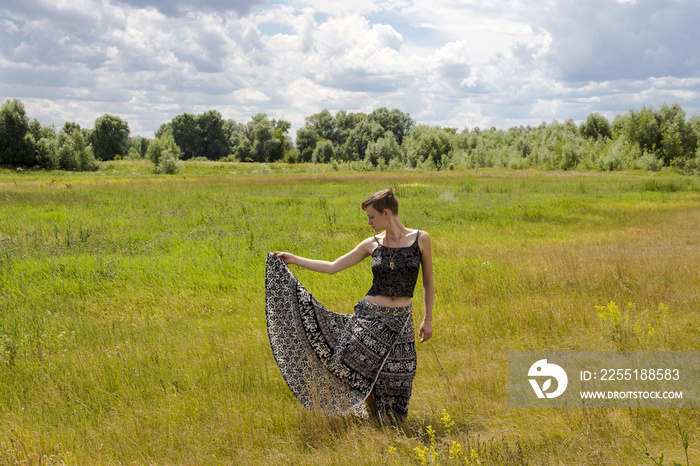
<point x="425" y="331"/>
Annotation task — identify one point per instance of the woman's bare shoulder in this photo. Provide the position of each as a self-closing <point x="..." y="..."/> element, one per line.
<point x="368" y="244"/>
<point x="423" y="238"/>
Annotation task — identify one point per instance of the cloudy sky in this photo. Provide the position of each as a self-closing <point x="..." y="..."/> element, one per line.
<point x="458" y="63"/>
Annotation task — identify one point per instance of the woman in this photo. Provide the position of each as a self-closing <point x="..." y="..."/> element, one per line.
<point x="333" y="362"/>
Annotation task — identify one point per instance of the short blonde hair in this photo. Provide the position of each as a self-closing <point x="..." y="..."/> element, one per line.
<point x="384" y="199"/>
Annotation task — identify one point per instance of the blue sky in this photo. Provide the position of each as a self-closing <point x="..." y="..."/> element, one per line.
<point x="450" y="63"/>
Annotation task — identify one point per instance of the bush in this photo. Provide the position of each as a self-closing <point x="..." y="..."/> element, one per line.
<point x="168" y="164"/>
<point x="694" y="163"/>
<point x="291" y="156"/>
<point x="133" y="154"/>
<point x="648" y="162"/>
<point x="164" y="154"/>
<point x="383" y="150"/>
<point x="428" y="146"/>
<point x="87" y="160"/>
<point x="73" y="154"/>
<point x="619" y="154"/>
<point x="46" y="153"/>
<point x="570" y="155"/>
<point x="517" y="162"/>
<point x="323" y="152"/>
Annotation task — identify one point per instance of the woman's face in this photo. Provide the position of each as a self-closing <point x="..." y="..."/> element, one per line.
<point x="375" y="219"/>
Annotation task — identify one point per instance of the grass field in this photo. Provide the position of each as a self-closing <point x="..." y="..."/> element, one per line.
<point x="132" y="325"/>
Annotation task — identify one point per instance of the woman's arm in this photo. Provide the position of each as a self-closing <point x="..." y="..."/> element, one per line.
<point x="426" y="327"/>
<point x="361" y="251"/>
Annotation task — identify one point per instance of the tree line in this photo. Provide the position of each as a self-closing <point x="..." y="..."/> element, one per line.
<point x="647" y="139"/>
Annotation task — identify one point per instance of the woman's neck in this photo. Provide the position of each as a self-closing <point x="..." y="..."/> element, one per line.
<point x="395" y="231"/>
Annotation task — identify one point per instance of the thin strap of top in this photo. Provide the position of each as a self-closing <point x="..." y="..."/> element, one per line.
<point x="417" y="236"/>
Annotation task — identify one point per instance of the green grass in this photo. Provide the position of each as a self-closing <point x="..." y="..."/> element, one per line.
<point x="132" y="310"/>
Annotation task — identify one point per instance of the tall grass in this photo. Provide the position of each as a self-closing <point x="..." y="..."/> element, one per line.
<point x="132" y="310"/>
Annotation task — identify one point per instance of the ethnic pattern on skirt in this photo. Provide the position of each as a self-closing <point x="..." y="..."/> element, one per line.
<point x="331" y="361"/>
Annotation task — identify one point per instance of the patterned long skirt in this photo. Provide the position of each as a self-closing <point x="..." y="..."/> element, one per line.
<point x="332" y="361"/>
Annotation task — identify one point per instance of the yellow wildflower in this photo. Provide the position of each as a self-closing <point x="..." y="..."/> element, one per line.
<point x="456" y="451"/>
<point x="447" y="422"/>
<point x="420" y="454"/>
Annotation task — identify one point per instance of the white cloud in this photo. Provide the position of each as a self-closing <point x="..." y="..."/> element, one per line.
<point x="304" y="93"/>
<point x="467" y="63"/>
<point x="249" y="96"/>
<point x="602" y="40"/>
<point x="339" y="8"/>
<point x="183" y="7"/>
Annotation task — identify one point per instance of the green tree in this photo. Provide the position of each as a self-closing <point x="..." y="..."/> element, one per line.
<point x="110" y="136"/>
<point x="186" y="134"/>
<point x="280" y="133"/>
<point x="344" y="123"/>
<point x="70" y="126"/>
<point x="678" y="140"/>
<point x="17" y="145"/>
<point x="263" y="140"/>
<point x="365" y="132"/>
<point x="383" y="150"/>
<point x="596" y="127"/>
<point x="142" y="146"/>
<point x="642" y="128"/>
<point x="323" y="124"/>
<point x="429" y="143"/>
<point x="205" y="135"/>
<point x="233" y="132"/>
<point x="306" y="143"/>
<point x="243" y="150"/>
<point x="324" y="152"/>
<point x="39" y="131"/>
<point x="46" y="153"/>
<point x="317" y="127"/>
<point x="165" y="128"/>
<point x="45" y="147"/>
<point x="73" y="153"/>
<point x="396" y="121"/>
<point x="213" y="142"/>
<point x="694" y="124"/>
<point x="240" y="146"/>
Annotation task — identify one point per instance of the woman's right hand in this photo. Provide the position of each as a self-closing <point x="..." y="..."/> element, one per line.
<point x="285" y="256"/>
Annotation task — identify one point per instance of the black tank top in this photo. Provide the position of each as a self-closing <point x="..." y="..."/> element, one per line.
<point x="395" y="270"/>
